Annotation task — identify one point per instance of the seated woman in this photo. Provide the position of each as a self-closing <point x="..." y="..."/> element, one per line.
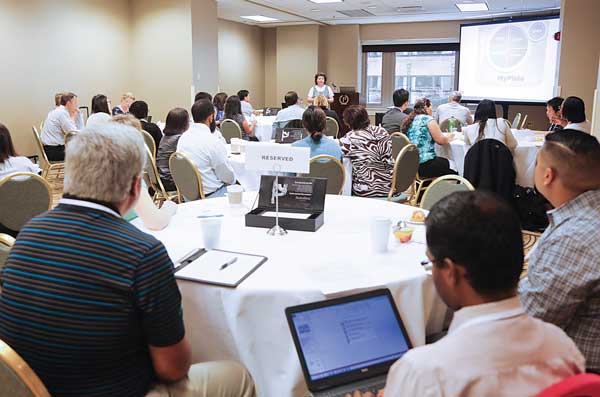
<point x="100" y="112"/>
<point x="313" y="120"/>
<point x="423" y="131"/>
<point x="10" y="161"/>
<point x="152" y="217"/>
<point x="178" y="122"/>
<point x="233" y="111"/>
<point x="123" y="108"/>
<point x="322" y="102"/>
<point x="488" y="126"/>
<point x="573" y="110"/>
<point x="219" y="103"/>
<point x="369" y="148"/>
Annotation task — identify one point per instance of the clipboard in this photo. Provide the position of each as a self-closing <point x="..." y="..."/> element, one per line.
<point x="218" y="267"/>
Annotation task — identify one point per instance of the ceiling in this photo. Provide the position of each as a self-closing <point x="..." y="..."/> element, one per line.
<point x="294" y="12"/>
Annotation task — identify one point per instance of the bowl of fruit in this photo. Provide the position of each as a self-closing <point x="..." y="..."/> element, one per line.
<point x="403" y="232"/>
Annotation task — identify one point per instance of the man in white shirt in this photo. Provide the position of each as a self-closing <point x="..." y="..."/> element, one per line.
<point x="247" y="109"/>
<point x="454" y="108"/>
<point x="206" y="151"/>
<point x="493" y="348"/>
<point x="293" y="111"/>
<point x="60" y="120"/>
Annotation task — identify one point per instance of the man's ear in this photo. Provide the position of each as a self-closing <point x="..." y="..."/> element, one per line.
<point x="549" y="176"/>
<point x="452" y="272"/>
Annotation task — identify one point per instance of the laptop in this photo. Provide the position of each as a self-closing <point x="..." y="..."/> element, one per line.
<point x="349" y="343"/>
<point x="290" y="135"/>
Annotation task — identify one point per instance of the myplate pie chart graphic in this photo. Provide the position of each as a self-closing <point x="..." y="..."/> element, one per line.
<point x="508" y="47"/>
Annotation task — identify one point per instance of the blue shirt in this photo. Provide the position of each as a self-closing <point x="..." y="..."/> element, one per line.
<point x="324" y="146"/>
<point x="419" y="135"/>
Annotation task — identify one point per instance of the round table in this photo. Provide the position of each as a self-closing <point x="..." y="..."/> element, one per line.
<point x="524" y="156"/>
<point x="263" y="129"/>
<point x="248" y="323"/>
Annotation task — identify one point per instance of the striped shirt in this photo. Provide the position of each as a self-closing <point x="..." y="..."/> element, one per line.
<point x="83" y="295"/>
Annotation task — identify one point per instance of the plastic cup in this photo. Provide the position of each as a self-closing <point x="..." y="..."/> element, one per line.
<point x="380" y="234"/>
<point x="234" y="194"/>
<point x="211" y="232"/>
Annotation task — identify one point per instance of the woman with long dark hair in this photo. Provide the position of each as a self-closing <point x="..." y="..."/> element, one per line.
<point x="100" y="111"/>
<point x="178" y="122"/>
<point x="488" y="126"/>
<point x="10" y="161"/>
<point x="233" y="111"/>
<point x="314" y="121"/>
<point x="424" y="132"/>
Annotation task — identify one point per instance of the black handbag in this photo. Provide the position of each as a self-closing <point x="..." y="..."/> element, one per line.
<point x="531" y="207"/>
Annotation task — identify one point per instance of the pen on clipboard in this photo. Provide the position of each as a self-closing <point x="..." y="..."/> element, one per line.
<point x="228" y="263"/>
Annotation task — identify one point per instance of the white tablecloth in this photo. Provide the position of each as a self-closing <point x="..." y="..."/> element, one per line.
<point x="263" y="129"/>
<point x="529" y="144"/>
<point x="250" y="179"/>
<point x="248" y="323"/>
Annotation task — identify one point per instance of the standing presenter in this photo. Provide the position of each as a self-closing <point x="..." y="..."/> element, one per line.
<point x="320" y="88"/>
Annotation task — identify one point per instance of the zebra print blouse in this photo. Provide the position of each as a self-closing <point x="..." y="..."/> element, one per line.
<point x="370" y="151"/>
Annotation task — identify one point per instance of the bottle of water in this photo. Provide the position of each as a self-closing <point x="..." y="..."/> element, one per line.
<point x="452" y="124"/>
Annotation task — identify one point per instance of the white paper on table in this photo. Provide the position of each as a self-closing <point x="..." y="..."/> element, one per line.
<point x="207" y="268"/>
<point x="293" y="215"/>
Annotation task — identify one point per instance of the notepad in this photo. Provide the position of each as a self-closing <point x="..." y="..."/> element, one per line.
<point x="209" y="267"/>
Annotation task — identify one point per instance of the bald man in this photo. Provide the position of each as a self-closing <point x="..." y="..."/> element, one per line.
<point x="563" y="281"/>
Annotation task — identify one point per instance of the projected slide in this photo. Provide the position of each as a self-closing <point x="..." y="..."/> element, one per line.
<point x="513" y="61"/>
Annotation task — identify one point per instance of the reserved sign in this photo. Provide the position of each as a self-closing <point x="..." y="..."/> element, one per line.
<point x="278" y="158"/>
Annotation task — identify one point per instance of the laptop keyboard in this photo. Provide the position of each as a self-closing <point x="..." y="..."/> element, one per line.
<point x="366" y="388"/>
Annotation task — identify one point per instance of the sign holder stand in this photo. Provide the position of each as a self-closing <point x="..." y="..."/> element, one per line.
<point x="278" y="191"/>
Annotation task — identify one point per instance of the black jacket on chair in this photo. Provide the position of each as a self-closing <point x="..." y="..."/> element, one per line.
<point x="489" y="166"/>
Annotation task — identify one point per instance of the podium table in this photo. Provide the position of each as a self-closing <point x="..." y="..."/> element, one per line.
<point x="341" y="100"/>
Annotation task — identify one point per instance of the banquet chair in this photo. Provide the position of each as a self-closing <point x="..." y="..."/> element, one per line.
<point x="405" y="172"/>
<point x="46" y="165"/>
<point x="325" y="166"/>
<point x="524" y="123"/>
<point x="442" y="187"/>
<point x="296" y="123"/>
<point x="152" y="179"/>
<point x="149" y="140"/>
<point x="186" y="177"/>
<point x="69" y="135"/>
<point x="445" y="126"/>
<point x="399" y="141"/>
<point x="230" y="129"/>
<point x="331" y="127"/>
<point x="579" y="385"/>
<point x="23" y="195"/>
<point x="529" y="241"/>
<point x="516" y="121"/>
<point x="6" y="242"/>
<point x="17" y="379"/>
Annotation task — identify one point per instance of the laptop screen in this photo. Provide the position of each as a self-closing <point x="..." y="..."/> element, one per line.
<point x="348" y="336"/>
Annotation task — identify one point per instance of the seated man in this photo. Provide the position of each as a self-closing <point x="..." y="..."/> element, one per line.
<point x="66" y="117"/>
<point x="454" y="109"/>
<point x="493" y="348"/>
<point x="203" y="95"/>
<point x="207" y="151"/>
<point x="247" y="109"/>
<point x="293" y="111"/>
<point x="139" y="109"/>
<point x="89" y="301"/>
<point x="393" y="118"/>
<point x="563" y="278"/>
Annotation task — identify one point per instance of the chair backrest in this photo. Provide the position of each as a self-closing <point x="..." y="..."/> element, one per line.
<point x="574" y="386"/>
<point x="149" y="140"/>
<point x="399" y="141"/>
<point x="331" y="127"/>
<point x="516" y="121"/>
<point x="6" y="242"/>
<point x="230" y="129"/>
<point x="405" y="169"/>
<point x="69" y="135"/>
<point x="186" y="177"/>
<point x="489" y="166"/>
<point x="379" y="118"/>
<point x="296" y="123"/>
<point x="524" y="122"/>
<point x="445" y="125"/>
<point x="442" y="187"/>
<point x="23" y="195"/>
<point x="43" y="159"/>
<point x="17" y="379"/>
<point x="325" y="166"/>
<point x="152" y="175"/>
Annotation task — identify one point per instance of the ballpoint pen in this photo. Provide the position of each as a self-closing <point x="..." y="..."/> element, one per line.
<point x="229" y="262"/>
